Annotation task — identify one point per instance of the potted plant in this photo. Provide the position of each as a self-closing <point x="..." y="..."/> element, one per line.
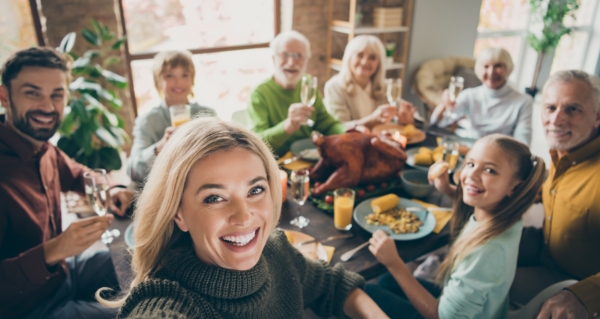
<point x="547" y="20"/>
<point x="91" y="133"/>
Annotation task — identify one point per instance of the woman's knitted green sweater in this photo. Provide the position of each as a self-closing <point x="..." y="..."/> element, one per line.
<point x="281" y="285"/>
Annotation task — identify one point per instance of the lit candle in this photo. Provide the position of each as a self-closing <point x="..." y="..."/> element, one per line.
<point x="283" y="177"/>
<point x="400" y="139"/>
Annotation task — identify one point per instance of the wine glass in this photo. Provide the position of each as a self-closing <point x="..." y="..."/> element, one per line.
<point x="450" y="153"/>
<point x="457" y="83"/>
<point x="299" y="180"/>
<point x="97" y="192"/>
<point x="308" y="93"/>
<point x="180" y="114"/>
<point x="394" y="91"/>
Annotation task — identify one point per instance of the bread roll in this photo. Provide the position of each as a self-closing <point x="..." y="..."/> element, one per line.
<point x="437" y="157"/>
<point x="425" y="150"/>
<point x="437" y="170"/>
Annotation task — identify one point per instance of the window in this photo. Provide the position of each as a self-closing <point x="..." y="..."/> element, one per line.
<point x="229" y="40"/>
<point x="505" y="23"/>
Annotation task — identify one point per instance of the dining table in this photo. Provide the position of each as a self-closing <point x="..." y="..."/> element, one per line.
<point x="321" y="226"/>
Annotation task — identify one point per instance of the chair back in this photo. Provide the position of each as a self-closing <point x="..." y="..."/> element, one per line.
<point x="529" y="310"/>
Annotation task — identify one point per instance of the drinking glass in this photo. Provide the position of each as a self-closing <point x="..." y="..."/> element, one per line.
<point x="394" y="91"/>
<point x="299" y="180"/>
<point x="450" y="153"/>
<point x="180" y="114"/>
<point x="343" y="205"/>
<point x="457" y="83"/>
<point x="96" y="190"/>
<point x="308" y="93"/>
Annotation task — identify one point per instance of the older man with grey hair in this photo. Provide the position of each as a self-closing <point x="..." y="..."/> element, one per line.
<point x="275" y="107"/>
<point x="568" y="246"/>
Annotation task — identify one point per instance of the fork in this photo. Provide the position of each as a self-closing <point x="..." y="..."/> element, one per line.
<point x="324" y="240"/>
<point x="347" y="255"/>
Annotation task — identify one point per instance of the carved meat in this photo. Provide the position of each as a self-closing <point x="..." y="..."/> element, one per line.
<point x="355" y="158"/>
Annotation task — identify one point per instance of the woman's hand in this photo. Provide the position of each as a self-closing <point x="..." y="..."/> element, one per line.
<point x="384" y="113"/>
<point x="383" y="248"/>
<point x="448" y="104"/>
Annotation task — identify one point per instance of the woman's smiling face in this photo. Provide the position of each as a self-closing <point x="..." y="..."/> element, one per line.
<point x="228" y="209"/>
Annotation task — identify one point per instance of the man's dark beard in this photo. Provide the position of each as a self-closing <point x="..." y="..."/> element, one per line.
<point x="22" y="124"/>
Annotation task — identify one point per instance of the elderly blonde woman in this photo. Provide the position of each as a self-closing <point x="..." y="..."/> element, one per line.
<point x="356" y="95"/>
<point x="494" y="106"/>
<point x="206" y="246"/>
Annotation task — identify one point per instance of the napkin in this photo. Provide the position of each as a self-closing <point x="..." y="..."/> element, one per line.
<point x="441" y="217"/>
<point x="295" y="165"/>
<point x="329" y="250"/>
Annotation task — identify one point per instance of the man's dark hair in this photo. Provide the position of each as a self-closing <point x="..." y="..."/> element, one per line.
<point x="37" y="56"/>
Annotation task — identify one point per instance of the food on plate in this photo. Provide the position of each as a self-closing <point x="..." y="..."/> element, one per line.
<point x="425" y="150"/>
<point x="423" y="159"/>
<point x="409" y="131"/>
<point x="397" y="219"/>
<point x="310" y="154"/>
<point x="370" y="188"/>
<point x="437" y="170"/>
<point x="355" y="158"/>
<point x="384" y="203"/>
<point x="437" y="157"/>
<point x="329" y="199"/>
<point x="360" y="193"/>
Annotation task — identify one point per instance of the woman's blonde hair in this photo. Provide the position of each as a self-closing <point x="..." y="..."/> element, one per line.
<point x="356" y="45"/>
<point x="530" y="170"/>
<point x="496" y="55"/>
<point x="168" y="60"/>
<point x="155" y="231"/>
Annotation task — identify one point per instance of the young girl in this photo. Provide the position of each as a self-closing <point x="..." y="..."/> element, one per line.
<point x="497" y="185"/>
<point x="174" y="75"/>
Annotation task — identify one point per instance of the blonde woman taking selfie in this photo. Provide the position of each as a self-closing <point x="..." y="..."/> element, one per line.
<point x="206" y="246"/>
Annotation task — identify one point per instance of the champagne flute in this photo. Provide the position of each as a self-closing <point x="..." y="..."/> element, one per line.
<point x="299" y="180"/>
<point x="394" y="91"/>
<point x="450" y="153"/>
<point x="97" y="192"/>
<point x="457" y="83"/>
<point x="308" y="93"/>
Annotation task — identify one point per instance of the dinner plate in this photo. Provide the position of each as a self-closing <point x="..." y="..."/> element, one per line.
<point x="363" y="209"/>
<point x="129" y="241"/>
<point x="410" y="160"/>
<point x="314" y="251"/>
<point x="393" y="128"/>
<point x="305" y="145"/>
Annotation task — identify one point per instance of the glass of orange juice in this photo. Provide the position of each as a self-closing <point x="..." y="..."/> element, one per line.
<point x="180" y="114"/>
<point x="343" y="205"/>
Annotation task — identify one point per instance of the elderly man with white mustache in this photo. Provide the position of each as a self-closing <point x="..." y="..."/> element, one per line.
<point x="274" y="107"/>
<point x="568" y="246"/>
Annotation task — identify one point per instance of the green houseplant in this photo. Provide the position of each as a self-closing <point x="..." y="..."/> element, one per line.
<point x="91" y="132"/>
<point x="547" y="16"/>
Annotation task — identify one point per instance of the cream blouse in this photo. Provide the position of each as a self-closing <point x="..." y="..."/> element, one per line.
<point x="345" y="108"/>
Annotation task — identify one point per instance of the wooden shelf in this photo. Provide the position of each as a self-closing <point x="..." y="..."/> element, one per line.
<point x="344" y="27"/>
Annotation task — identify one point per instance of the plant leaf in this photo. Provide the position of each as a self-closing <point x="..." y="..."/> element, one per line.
<point x="97" y="26"/>
<point x="67" y="43"/>
<point x="110" y="158"/>
<point x="90" y="54"/>
<point x="91" y="37"/>
<point x="120" y="134"/>
<point x="78" y="108"/>
<point x="115" y="79"/>
<point x="67" y="124"/>
<point x="118" y="43"/>
<point x="105" y="136"/>
<point x="112" y="60"/>
<point x="110" y="118"/>
<point x="68" y="145"/>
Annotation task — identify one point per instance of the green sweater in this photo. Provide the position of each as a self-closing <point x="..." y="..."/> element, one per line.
<point x="281" y="285"/>
<point x="268" y="108"/>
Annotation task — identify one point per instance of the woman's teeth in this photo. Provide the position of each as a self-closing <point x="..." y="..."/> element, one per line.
<point x="474" y="189"/>
<point x="240" y="240"/>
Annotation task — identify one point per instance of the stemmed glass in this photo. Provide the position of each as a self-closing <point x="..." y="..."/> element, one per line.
<point x="450" y="153"/>
<point x="308" y="93"/>
<point x="394" y="92"/>
<point x="457" y="83"/>
<point x="299" y="180"/>
<point x="96" y="190"/>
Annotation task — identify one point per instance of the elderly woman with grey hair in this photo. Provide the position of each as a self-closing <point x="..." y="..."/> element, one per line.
<point x="494" y="106"/>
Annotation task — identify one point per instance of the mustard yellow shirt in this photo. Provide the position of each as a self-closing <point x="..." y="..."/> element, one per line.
<point x="571" y="197"/>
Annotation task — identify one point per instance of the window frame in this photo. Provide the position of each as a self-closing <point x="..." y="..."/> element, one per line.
<point x="129" y="57"/>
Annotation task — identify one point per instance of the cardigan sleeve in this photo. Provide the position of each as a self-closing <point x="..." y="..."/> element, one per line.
<point x="469" y="285"/>
<point x="258" y="111"/>
<point x="588" y="291"/>
<point x="335" y="101"/>
<point x="324" y="122"/>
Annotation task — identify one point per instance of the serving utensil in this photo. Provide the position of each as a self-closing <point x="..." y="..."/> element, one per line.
<point x="290" y="160"/>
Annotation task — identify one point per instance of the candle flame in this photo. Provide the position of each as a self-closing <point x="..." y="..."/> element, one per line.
<point x="397" y="136"/>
